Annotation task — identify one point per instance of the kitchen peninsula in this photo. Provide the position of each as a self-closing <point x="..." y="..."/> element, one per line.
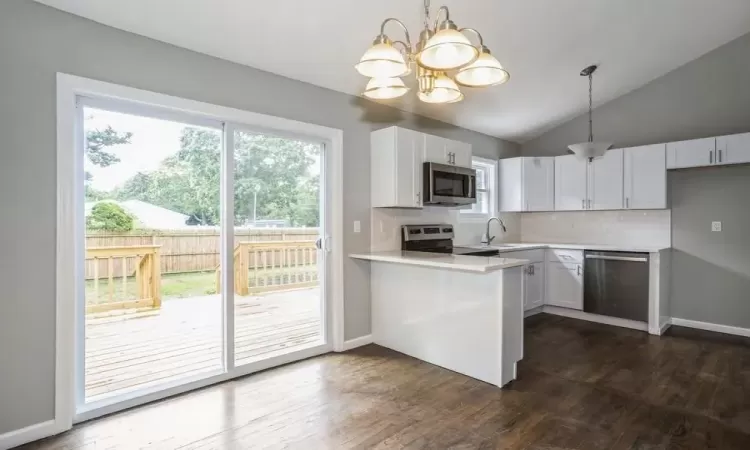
<point x="464" y="313"/>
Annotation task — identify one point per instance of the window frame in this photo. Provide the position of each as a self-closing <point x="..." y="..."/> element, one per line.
<point x="491" y="165"/>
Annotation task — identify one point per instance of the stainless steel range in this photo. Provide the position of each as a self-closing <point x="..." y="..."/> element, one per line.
<point x="436" y="239"/>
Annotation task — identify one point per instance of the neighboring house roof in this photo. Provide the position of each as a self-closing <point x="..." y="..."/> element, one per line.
<point x="148" y="215"/>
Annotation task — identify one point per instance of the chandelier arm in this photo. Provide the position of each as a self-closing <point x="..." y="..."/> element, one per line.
<point x="406" y="30"/>
<point x="481" y="41"/>
<point x="437" y="16"/>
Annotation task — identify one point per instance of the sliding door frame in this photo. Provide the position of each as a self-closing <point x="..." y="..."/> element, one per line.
<point x="70" y="222"/>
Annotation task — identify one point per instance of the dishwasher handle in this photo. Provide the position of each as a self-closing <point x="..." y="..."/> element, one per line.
<point x="617" y="258"/>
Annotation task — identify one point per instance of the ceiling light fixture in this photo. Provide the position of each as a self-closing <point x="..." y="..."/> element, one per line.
<point x="590" y="149"/>
<point x="442" y="47"/>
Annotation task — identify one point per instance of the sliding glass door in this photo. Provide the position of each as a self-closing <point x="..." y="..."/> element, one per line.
<point x="205" y="251"/>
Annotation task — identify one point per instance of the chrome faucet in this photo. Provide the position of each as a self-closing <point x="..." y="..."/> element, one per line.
<point x="487" y="239"/>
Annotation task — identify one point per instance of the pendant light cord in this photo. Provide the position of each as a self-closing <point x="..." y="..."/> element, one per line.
<point x="591" y="115"/>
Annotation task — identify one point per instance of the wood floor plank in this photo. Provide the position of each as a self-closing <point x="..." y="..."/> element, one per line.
<point x="581" y="386"/>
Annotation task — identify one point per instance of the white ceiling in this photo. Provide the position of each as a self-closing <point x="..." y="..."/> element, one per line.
<point x="543" y="43"/>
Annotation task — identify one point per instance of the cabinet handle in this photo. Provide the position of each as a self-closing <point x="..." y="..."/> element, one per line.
<point x="627" y="203"/>
<point x="453" y="159"/>
<point x="720" y="156"/>
<point x="533" y="270"/>
<point x="583" y="204"/>
<point x="710" y="156"/>
<point x="578" y="269"/>
<point x="589" y="203"/>
<point x="419" y="198"/>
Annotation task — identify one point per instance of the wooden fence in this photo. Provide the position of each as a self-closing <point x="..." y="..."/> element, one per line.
<point x="182" y="250"/>
<point x="273" y="266"/>
<point x="115" y="292"/>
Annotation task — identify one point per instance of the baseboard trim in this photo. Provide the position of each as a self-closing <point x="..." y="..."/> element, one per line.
<point x="575" y="314"/>
<point x="715" y="327"/>
<point x="28" y="434"/>
<point x="533" y="311"/>
<point x="665" y="324"/>
<point x="357" y="342"/>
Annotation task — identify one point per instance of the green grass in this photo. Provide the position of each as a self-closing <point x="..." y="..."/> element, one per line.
<point x="176" y="285"/>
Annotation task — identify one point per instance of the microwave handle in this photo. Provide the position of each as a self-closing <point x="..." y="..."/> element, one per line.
<point x="472" y="191"/>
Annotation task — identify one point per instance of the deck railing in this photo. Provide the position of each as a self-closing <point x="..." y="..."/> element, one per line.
<point x="118" y="265"/>
<point x="273" y="266"/>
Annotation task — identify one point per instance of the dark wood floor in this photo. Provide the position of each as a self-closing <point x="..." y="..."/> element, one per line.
<point x="580" y="386"/>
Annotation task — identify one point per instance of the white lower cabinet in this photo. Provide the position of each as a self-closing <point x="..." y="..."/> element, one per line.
<point x="565" y="285"/>
<point x="533" y="285"/>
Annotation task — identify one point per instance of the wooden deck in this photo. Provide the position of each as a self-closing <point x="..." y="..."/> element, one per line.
<point x="125" y="353"/>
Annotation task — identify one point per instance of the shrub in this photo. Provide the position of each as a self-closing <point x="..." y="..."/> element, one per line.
<point x="109" y="217"/>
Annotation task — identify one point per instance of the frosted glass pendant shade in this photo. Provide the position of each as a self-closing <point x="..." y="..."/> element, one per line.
<point x="382" y="61"/>
<point x="448" y="49"/>
<point x="590" y="150"/>
<point x="445" y="91"/>
<point x="485" y="71"/>
<point x="385" y="88"/>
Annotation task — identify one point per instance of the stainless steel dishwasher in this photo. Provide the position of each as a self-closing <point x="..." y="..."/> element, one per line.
<point x="616" y="284"/>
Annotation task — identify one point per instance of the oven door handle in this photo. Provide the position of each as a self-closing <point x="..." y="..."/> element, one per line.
<point x="617" y="258"/>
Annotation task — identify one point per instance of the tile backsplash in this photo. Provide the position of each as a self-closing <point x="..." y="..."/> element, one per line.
<point x="646" y="228"/>
<point x="386" y="226"/>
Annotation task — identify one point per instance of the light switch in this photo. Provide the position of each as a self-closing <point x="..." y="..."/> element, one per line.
<point x="357" y="226"/>
<point x="715" y="226"/>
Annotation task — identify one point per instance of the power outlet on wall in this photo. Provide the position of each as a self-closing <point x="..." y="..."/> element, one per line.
<point x="715" y="226"/>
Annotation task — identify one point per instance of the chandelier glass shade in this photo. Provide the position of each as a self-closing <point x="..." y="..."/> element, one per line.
<point x="443" y="57"/>
<point x="385" y="88"/>
<point x="485" y="71"/>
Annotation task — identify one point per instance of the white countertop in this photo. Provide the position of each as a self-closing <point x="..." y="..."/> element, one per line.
<point x="514" y="247"/>
<point x="478" y="264"/>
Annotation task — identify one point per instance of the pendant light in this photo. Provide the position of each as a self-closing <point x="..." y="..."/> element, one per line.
<point x="485" y="71"/>
<point x="385" y="88"/>
<point x="590" y="150"/>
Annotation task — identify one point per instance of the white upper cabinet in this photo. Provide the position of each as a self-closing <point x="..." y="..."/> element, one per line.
<point x="645" y="184"/>
<point x="526" y="184"/>
<point x="733" y="149"/>
<point x="606" y="181"/>
<point x="447" y="151"/>
<point x="570" y="183"/>
<point x="539" y="184"/>
<point x="396" y="157"/>
<point x="695" y="153"/>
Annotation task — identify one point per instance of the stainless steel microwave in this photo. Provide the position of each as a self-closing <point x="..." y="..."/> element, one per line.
<point x="447" y="185"/>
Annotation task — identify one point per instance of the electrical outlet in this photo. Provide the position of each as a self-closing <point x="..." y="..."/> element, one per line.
<point x="715" y="226"/>
<point x="357" y="226"/>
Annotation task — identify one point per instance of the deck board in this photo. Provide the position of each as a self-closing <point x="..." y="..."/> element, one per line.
<point x="127" y="352"/>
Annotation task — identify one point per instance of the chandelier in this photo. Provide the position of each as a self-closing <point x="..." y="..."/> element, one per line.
<point x="443" y="59"/>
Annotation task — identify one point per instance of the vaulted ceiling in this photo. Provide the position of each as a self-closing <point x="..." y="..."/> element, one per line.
<point x="543" y="43"/>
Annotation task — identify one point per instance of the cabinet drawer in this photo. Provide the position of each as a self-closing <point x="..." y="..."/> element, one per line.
<point x="532" y="256"/>
<point x="559" y="255"/>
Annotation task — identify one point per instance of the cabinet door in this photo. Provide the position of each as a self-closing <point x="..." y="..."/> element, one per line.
<point x="510" y="185"/>
<point x="534" y="286"/>
<point x="734" y="149"/>
<point x="565" y="285"/>
<point x="435" y="149"/>
<point x="646" y="177"/>
<point x="538" y="184"/>
<point x="461" y="153"/>
<point x="408" y="179"/>
<point x="570" y="183"/>
<point x="605" y="181"/>
<point x="695" y="153"/>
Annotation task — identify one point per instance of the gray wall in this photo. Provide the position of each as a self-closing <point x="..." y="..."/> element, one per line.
<point x="36" y="42"/>
<point x="706" y="97"/>
<point x="711" y="270"/>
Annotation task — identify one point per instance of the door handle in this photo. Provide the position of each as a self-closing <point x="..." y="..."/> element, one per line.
<point x="617" y="258"/>
<point x="319" y="243"/>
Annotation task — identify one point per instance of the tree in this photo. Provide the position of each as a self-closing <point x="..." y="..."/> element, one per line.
<point x="96" y="142"/>
<point x="109" y="216"/>
<point x="275" y="170"/>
